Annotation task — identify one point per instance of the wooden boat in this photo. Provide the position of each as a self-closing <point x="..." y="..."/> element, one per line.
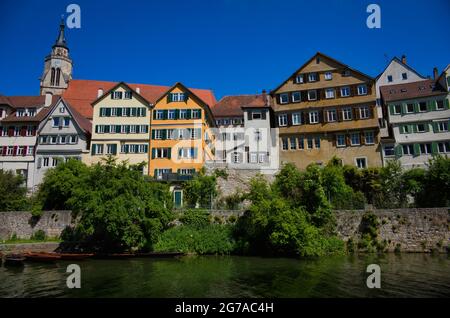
<point x="14" y="260"/>
<point x="74" y="256"/>
<point x="42" y="257"/>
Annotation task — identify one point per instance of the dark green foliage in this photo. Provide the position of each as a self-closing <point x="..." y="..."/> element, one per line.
<point x="221" y="173"/>
<point x="435" y="191"/>
<point x="39" y="235"/>
<point x="195" y="218"/>
<point x="12" y="192"/>
<point x="210" y="239"/>
<point x="233" y="201"/>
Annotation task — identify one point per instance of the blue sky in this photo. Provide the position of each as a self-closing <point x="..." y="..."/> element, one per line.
<point x="230" y="46"/>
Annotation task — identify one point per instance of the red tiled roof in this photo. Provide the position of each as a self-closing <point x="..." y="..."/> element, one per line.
<point x="231" y="106"/>
<point x="4" y="100"/>
<point x="82" y="121"/>
<point x="29" y="101"/>
<point x="411" y="90"/>
<point x="81" y="93"/>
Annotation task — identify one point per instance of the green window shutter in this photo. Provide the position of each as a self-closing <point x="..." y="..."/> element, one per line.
<point x="169" y="98"/>
<point x="146" y="148"/>
<point x="435" y="127"/>
<point x="199" y="133"/>
<point x="144" y="112"/>
<point x="431" y="105"/>
<point x="153" y="153"/>
<point x="188" y="114"/>
<point x="153" y="134"/>
<point x="413" y="128"/>
<point x="93" y="146"/>
<point x="114" y="149"/>
<point x="118" y="128"/>
<point x="164" y="134"/>
<point x="427" y="126"/>
<point x="391" y="109"/>
<point x="434" y="147"/>
<point x="447" y="102"/>
<point x="165" y="114"/>
<point x="186" y="97"/>
<point x="398" y="150"/>
<point x="177" y="114"/>
<point x="416" y="150"/>
<point x="108" y="112"/>
<point x="195" y="153"/>
<point x="119" y="112"/>
<point x="127" y="129"/>
<point x="169" y="153"/>
<point x="416" y="107"/>
<point x="96" y="128"/>
<point x="154" y="114"/>
<point x="404" y="107"/>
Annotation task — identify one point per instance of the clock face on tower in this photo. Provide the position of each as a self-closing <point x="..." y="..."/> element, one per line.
<point x="56" y="63"/>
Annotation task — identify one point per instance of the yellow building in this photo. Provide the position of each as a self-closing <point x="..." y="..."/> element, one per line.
<point x="120" y="126"/>
<point x="181" y="135"/>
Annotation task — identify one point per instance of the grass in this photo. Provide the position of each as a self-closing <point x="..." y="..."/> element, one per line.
<point x="22" y="241"/>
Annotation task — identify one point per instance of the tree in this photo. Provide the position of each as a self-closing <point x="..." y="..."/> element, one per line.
<point x="12" y="192"/>
<point x="201" y="190"/>
<point x="436" y="184"/>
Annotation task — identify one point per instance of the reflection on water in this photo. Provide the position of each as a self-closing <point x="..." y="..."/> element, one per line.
<point x="406" y="275"/>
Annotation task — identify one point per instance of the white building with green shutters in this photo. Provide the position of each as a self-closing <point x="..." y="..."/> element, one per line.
<point x="418" y="121"/>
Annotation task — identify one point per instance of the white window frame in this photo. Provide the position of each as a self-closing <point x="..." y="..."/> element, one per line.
<point x="331" y="118"/>
<point x="328" y="76"/>
<point x="314" y="114"/>
<point x="351" y="139"/>
<point x="299" y="79"/>
<point x="313" y="77"/>
<point x="296" y="119"/>
<point x="362" y="89"/>
<point x="282" y="120"/>
<point x="328" y="91"/>
<point x="284" y="96"/>
<point x="365" y="162"/>
<point x="315" y="94"/>
<point x="438" y="125"/>
<point x="364" y="112"/>
<point x="369" y="133"/>
<point x="338" y="144"/>
<point x="348" y="111"/>
<point x="343" y="89"/>
<point x="395" y="109"/>
<point x="294" y="100"/>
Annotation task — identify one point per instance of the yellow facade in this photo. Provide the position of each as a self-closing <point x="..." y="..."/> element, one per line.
<point x="181" y="135"/>
<point x="120" y="127"/>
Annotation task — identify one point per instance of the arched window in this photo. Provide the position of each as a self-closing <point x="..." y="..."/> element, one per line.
<point x="52" y="78"/>
<point x="58" y="76"/>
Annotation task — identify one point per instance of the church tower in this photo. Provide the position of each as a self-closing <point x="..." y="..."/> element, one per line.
<point x="57" y="66"/>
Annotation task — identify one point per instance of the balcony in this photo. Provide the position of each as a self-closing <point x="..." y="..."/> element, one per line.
<point x="173" y="177"/>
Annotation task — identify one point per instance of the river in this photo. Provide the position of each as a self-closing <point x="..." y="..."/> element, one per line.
<point x="403" y="275"/>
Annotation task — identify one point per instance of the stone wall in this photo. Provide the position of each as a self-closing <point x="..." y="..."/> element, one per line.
<point x="409" y="230"/>
<point x="24" y="226"/>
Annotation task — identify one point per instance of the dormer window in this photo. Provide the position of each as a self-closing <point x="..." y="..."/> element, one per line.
<point x="404" y="76"/>
<point x="313" y="77"/>
<point x="389" y="78"/>
<point x="20" y="112"/>
<point x="177" y="97"/>
<point x="116" y="95"/>
<point x="299" y="79"/>
<point x="328" y="76"/>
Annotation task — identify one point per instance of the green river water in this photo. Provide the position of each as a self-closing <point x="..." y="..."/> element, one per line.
<point x="404" y="275"/>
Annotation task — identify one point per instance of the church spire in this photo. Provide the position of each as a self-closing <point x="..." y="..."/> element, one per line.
<point x="61" y="40"/>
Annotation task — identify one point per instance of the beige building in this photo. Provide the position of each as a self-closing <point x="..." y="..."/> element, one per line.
<point x="327" y="109"/>
<point x="121" y="119"/>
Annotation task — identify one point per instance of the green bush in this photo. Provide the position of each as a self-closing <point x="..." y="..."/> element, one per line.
<point x="211" y="239"/>
<point x="195" y="217"/>
<point x="39" y="235"/>
<point x="12" y="192"/>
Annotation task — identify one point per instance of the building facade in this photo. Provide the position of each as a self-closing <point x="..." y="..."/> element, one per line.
<point x="327" y="109"/>
<point x="20" y="119"/>
<point x="121" y="120"/>
<point x="396" y="72"/>
<point x="64" y="134"/>
<point x="245" y="136"/>
<point x="181" y="135"/>
<point x="418" y="118"/>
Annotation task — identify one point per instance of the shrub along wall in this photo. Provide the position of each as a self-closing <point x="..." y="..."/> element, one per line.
<point x="409" y="230"/>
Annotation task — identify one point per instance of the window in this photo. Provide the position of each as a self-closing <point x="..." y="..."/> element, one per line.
<point x="256" y="115"/>
<point x="421" y="128"/>
<point x="253" y="158"/>
<point x="196" y="114"/>
<point x="16" y="131"/>
<point x="347" y="113"/>
<point x="111" y="149"/>
<point x="397" y="109"/>
<point x="296" y="118"/>
<point x="171" y="114"/>
<point x="354" y="139"/>
<point x="160" y="153"/>
<point x="442" y="126"/>
<point x="310" y="143"/>
<point x="443" y="147"/>
<point x="73" y="139"/>
<point x="389" y="78"/>
<point x="340" y="140"/>
<point x="329" y="93"/>
<point x="293" y="143"/>
<point x="159" y="114"/>
<point x="425" y="149"/>
<point x="177" y="97"/>
<point x="301" y="144"/>
<point x="128" y="95"/>
<point x="116" y="95"/>
<point x="313" y="77"/>
<point x="236" y="157"/>
<point x="30" y="150"/>
<point x="331" y="115"/>
<point x="422" y="107"/>
<point x="408" y="149"/>
<point x="317" y="142"/>
<point x="20" y="112"/>
<point x="282" y="120"/>
<point x="66" y="121"/>
<point x="369" y="137"/>
<point x="404" y="76"/>
<point x="53" y="139"/>
<point x="346" y="73"/>
<point x="56" y="121"/>
<point x="98" y="149"/>
<point x="312" y="95"/>
<point x="364" y="112"/>
<point x="440" y="104"/>
<point x="62" y="139"/>
<point x="284" y="143"/>
<point x="299" y="79"/>
<point x="328" y="76"/>
<point x="158" y="133"/>
<point x="296" y="97"/>
<point x="389" y="151"/>
<point x="10" y="151"/>
<point x="361" y="163"/>
<point x="184" y="112"/>
<point x="313" y="117"/>
<point x="187" y="153"/>
<point x="284" y="98"/>
<point x="345" y="91"/>
<point x="30" y="130"/>
<point x="45" y="162"/>
<point x="410" y="108"/>
<point x="362" y="89"/>
<point x="21" y="151"/>
<point x="261" y="157"/>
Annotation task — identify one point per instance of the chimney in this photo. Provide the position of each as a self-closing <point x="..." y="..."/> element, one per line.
<point x="265" y="97"/>
<point x="435" y="73"/>
<point x="48" y="99"/>
<point x="138" y="90"/>
<point x="404" y="59"/>
<point x="99" y="92"/>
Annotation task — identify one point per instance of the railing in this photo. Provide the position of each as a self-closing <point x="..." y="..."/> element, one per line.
<point x="172" y="177"/>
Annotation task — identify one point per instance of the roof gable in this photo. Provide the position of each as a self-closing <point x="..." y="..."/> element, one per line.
<point x="83" y="123"/>
<point x="401" y="64"/>
<point x="114" y="88"/>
